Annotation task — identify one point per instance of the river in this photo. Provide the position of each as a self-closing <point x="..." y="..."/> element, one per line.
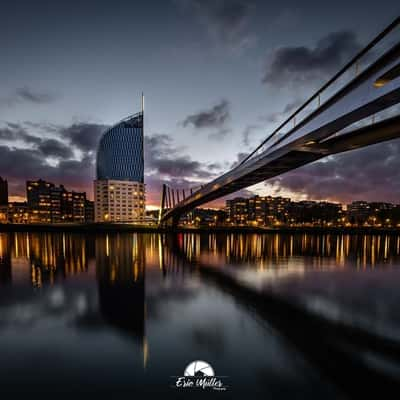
<point x="277" y="316"/>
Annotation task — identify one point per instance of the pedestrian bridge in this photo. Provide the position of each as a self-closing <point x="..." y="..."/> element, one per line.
<point x="357" y="107"/>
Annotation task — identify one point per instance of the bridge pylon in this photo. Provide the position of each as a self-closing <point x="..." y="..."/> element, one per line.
<point x="169" y="198"/>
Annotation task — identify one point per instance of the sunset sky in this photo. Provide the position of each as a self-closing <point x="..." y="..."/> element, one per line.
<point x="218" y="76"/>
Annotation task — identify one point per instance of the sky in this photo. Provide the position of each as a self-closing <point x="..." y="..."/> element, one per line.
<point x="218" y="76"/>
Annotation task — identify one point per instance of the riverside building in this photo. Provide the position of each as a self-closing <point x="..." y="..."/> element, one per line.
<point x="119" y="190"/>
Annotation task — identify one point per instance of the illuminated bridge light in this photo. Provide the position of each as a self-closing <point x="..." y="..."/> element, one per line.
<point x="388" y="77"/>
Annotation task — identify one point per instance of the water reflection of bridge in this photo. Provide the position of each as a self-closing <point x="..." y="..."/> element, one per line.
<point x="360" y="362"/>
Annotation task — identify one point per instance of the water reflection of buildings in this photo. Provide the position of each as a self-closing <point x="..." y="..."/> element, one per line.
<point x="120" y="270"/>
<point x="42" y="258"/>
<point x="117" y="261"/>
<point x="285" y="250"/>
<point x="5" y="259"/>
<point x="56" y="255"/>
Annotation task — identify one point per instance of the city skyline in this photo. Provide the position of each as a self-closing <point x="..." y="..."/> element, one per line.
<point x="48" y="203"/>
<point x="185" y="134"/>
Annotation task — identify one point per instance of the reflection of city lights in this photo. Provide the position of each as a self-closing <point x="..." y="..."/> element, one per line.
<point x="145" y="351"/>
<point x="160" y="253"/>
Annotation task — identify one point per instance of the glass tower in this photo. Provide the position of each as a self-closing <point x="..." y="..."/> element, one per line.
<point x="120" y="152"/>
<point x="119" y="190"/>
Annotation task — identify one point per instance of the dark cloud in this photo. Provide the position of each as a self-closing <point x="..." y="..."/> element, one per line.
<point x="226" y="21"/>
<point x="55" y="148"/>
<point x="49" y="147"/>
<point x="181" y="167"/>
<point x="16" y="132"/>
<point x="303" y="64"/>
<point x="8" y="133"/>
<point x="163" y="158"/>
<point x="81" y="136"/>
<point x="11" y="161"/>
<point x="366" y="174"/>
<point x="214" y="165"/>
<point x="84" y="136"/>
<point x="215" y="117"/>
<point x="166" y="163"/>
<point x="27" y="94"/>
<point x="76" y="174"/>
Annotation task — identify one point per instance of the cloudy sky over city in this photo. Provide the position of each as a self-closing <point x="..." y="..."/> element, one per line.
<point x="218" y="76"/>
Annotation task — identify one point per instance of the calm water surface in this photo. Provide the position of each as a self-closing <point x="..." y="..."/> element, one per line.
<point x="125" y="313"/>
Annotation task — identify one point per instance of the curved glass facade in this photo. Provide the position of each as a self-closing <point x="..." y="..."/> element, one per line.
<point x="120" y="151"/>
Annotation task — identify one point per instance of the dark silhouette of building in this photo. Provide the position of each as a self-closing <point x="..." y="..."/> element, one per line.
<point x="89" y="211"/>
<point x="374" y="213"/>
<point x="315" y="212"/>
<point x="3" y="192"/>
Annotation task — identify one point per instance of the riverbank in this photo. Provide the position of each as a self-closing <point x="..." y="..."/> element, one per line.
<point x="101" y="227"/>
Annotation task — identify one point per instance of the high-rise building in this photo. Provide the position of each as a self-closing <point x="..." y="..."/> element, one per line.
<point x="119" y="190"/>
<point x="3" y="192"/>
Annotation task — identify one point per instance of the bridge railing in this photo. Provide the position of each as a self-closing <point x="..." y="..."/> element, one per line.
<point x="361" y="61"/>
<point x="368" y="121"/>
